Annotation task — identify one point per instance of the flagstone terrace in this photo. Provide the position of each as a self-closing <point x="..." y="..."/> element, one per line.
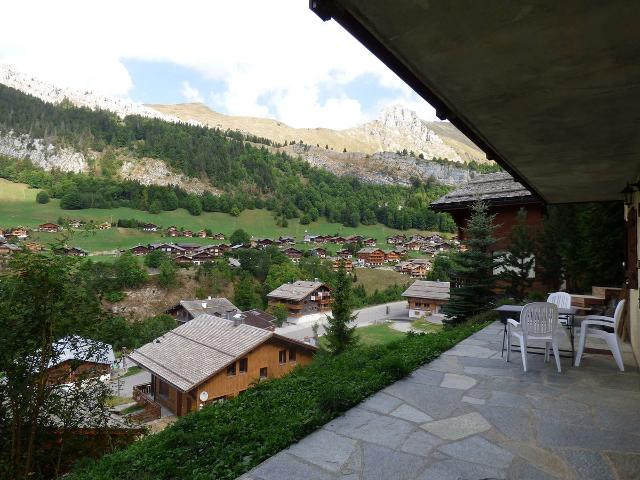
<point x="470" y="415"/>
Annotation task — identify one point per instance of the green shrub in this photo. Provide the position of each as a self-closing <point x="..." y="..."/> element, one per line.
<point x="114" y="297"/>
<point x="42" y="197"/>
<point x="225" y="440"/>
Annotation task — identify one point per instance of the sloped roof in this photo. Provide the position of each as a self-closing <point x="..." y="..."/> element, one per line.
<point x="296" y="290"/>
<point x="493" y="188"/>
<point x="370" y="250"/>
<point x="258" y="318"/>
<point x="191" y="353"/>
<point x="428" y="290"/>
<point x="218" y="306"/>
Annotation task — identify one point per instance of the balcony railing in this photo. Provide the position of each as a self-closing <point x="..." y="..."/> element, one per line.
<point x="143" y="396"/>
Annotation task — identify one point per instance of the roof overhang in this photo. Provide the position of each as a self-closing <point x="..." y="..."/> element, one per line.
<point x="549" y="90"/>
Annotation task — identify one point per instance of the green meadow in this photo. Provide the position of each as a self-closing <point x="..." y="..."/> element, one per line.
<point x="19" y="208"/>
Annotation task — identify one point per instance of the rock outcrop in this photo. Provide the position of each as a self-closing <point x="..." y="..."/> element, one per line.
<point x="42" y="154"/>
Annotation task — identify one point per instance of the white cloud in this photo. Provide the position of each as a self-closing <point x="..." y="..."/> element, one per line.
<point x="190" y="94"/>
<point x="273" y="56"/>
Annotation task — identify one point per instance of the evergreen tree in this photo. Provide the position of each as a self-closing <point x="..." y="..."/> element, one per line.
<point x="443" y="265"/>
<point x="167" y="276"/>
<point x="245" y="296"/>
<point x="42" y="197"/>
<point x="339" y="335"/>
<point x="239" y="237"/>
<point x="518" y="261"/>
<point x="473" y="271"/>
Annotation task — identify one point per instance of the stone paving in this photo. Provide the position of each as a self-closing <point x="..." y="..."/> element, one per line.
<point x="469" y="415"/>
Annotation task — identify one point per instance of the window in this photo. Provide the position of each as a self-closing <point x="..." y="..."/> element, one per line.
<point x="163" y="389"/>
<point x="243" y="365"/>
<point x="282" y="357"/>
<point x="263" y="372"/>
<point x="292" y="356"/>
<point x="231" y="369"/>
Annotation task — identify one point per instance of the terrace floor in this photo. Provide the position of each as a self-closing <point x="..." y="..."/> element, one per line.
<point x="470" y="415"/>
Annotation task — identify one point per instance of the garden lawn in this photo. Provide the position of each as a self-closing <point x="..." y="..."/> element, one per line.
<point x="378" y="334"/>
<point x="223" y="441"/>
<point x="374" y="278"/>
<point x="18" y="207"/>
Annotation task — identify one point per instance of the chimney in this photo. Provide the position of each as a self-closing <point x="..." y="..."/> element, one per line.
<point x="238" y="319"/>
<point x="204" y="304"/>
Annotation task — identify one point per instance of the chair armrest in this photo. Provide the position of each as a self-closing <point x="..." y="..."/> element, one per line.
<point x="513" y="322"/>
<point x="591" y="322"/>
<point x="599" y="318"/>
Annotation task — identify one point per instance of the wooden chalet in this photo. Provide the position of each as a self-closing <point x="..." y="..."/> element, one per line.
<point x="189" y="248"/>
<point x="425" y="297"/>
<point x="49" y="227"/>
<point x="33" y="247"/>
<point x="18" y="233"/>
<point x="210" y="359"/>
<point x="302" y="297"/>
<point x="219" y="236"/>
<point x="72" y="251"/>
<point x="344" y="253"/>
<point x="418" y="268"/>
<point x="78" y="358"/>
<point x="173" y="232"/>
<point x="371" y="256"/>
<point x="391" y="256"/>
<point x="369" y="242"/>
<point x="336" y="262"/>
<point x="170" y="248"/>
<point x="318" y="252"/>
<point x="149" y="227"/>
<point x="413" y="245"/>
<point x="187" y="310"/>
<point x="202" y="256"/>
<point x="139" y="250"/>
<point x="256" y="318"/>
<point x="187" y="233"/>
<point x="293" y="253"/>
<point x="202" y="234"/>
<point x="182" y="259"/>
<point x="396" y="239"/>
<point x="104" y="226"/>
<point x="7" y="248"/>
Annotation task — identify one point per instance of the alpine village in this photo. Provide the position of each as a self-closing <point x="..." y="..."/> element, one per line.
<point x="441" y="283"/>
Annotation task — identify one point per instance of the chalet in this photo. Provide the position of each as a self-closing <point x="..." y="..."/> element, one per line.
<point x="18" y="233"/>
<point x="428" y="249"/>
<point x="344" y="253"/>
<point x="293" y="253"/>
<point x="336" y="262"/>
<point x="33" y="247"/>
<point x="323" y="239"/>
<point x="302" y="297"/>
<point x="219" y="236"/>
<point x="396" y="239"/>
<point x="173" y="232"/>
<point x="353" y="239"/>
<point x="257" y="318"/>
<point x="339" y="239"/>
<point x="77" y="358"/>
<point x="318" y="252"/>
<point x="189" y="309"/>
<point x="209" y="359"/>
<point x="418" y="268"/>
<point x="49" y="227"/>
<point x="371" y="256"/>
<point x="369" y="242"/>
<point x="182" y="259"/>
<point x="425" y="297"/>
<point x="413" y="245"/>
<point x="104" y="226"/>
<point x="76" y="223"/>
<point x="149" y="227"/>
<point x="201" y="256"/>
<point x="391" y="257"/>
<point x="283" y="240"/>
<point x="8" y="248"/>
<point x="187" y="233"/>
<point x="309" y="238"/>
<point x="169" y="248"/>
<point x="264" y="242"/>
<point x="72" y="251"/>
<point x="202" y="234"/>
<point x="401" y="251"/>
<point x="189" y="248"/>
<point x="223" y="248"/>
<point x="139" y="250"/>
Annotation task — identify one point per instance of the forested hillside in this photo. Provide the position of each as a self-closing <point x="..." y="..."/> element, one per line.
<point x="249" y="176"/>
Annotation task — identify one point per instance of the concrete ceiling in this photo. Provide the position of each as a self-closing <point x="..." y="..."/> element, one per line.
<point x="549" y="89"/>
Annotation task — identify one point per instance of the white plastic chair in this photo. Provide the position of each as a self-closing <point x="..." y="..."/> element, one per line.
<point x="562" y="300"/>
<point x="605" y="328"/>
<point x="538" y="321"/>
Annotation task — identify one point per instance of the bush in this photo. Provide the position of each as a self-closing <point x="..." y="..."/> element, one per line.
<point x="114" y="297"/>
<point x="225" y="440"/>
<point x="42" y="197"/>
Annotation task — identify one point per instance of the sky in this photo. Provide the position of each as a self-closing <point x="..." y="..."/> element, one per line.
<point x="264" y="58"/>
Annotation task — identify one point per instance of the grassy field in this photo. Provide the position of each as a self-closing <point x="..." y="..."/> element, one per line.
<point x="18" y="207"/>
<point x="378" y="334"/>
<point x="373" y="278"/>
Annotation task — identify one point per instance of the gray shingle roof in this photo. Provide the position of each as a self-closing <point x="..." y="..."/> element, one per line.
<point x="191" y="353"/>
<point x="295" y="291"/>
<point x="213" y="306"/>
<point x="496" y="188"/>
<point x="369" y="250"/>
<point x="428" y="289"/>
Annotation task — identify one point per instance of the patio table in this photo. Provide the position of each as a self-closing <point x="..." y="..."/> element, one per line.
<point x="513" y="311"/>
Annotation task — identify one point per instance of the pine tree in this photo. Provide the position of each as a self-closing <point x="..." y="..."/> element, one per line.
<point x="339" y="335"/>
<point x="472" y="273"/>
<point x="519" y="260"/>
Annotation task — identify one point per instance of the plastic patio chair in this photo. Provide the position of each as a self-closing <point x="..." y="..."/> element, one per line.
<point x="562" y="300"/>
<point x="538" y="321"/>
<point x="605" y="328"/>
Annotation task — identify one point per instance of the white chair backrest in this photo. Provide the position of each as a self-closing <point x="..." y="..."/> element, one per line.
<point x="561" y="299"/>
<point x="539" y="318"/>
<point x="617" y="315"/>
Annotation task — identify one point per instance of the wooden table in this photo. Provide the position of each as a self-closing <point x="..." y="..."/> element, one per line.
<point x="567" y="317"/>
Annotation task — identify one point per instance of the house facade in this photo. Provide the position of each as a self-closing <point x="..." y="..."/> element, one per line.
<point x="49" y="227"/>
<point x="425" y="297"/>
<point x="302" y="297"/>
<point x="209" y="359"/>
<point x="371" y="256"/>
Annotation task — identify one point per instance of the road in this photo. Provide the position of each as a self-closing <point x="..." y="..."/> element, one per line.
<point x="366" y="316"/>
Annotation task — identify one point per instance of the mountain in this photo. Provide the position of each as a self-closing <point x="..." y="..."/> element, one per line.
<point x="396" y="129"/>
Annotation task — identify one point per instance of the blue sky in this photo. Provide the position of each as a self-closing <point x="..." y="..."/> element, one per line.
<point x="242" y="57"/>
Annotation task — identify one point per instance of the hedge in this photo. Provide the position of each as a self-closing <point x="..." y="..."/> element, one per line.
<point x="225" y="440"/>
